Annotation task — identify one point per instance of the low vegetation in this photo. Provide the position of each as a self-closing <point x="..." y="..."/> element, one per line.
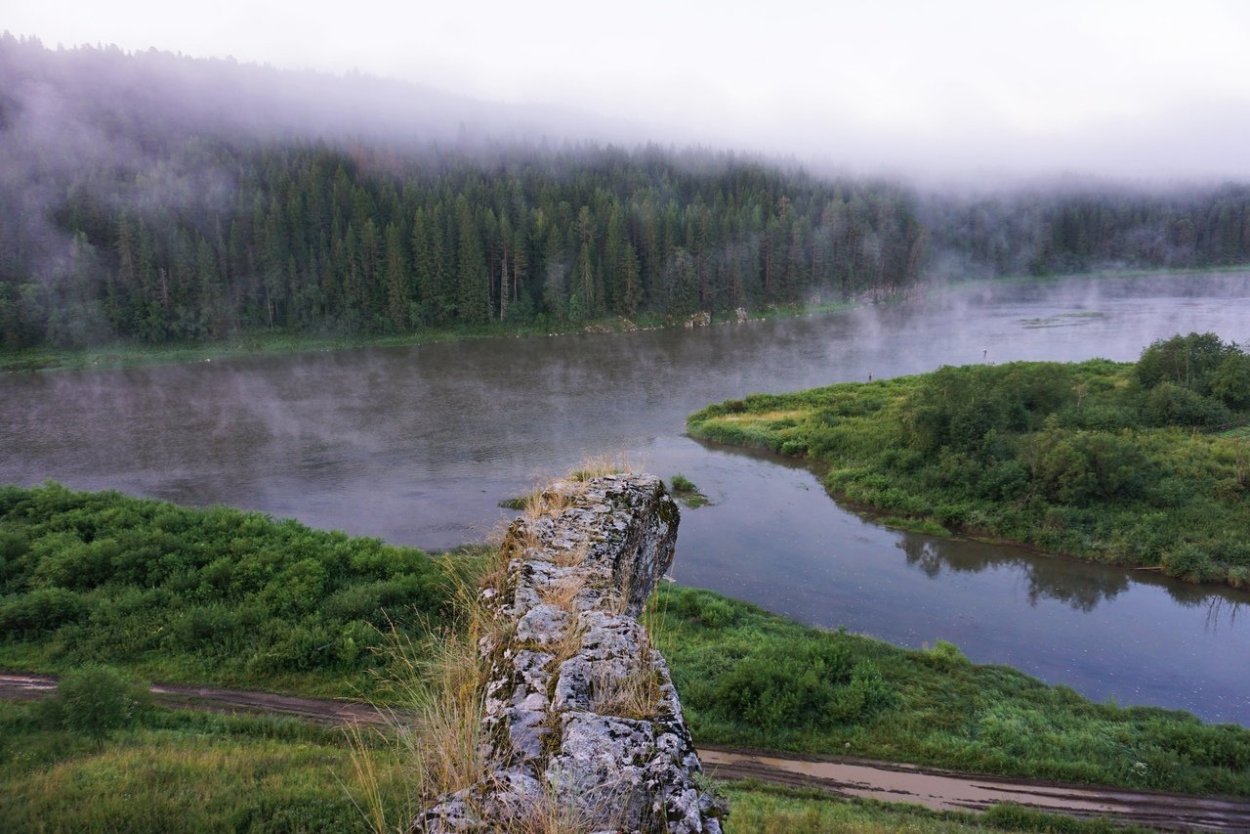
<point x="750" y="678"/>
<point x="761" y="809"/>
<point x="204" y="596"/>
<point x="687" y="493"/>
<point x="1134" y="464"/>
<point x="101" y="757"/>
<point x="184" y="771"/>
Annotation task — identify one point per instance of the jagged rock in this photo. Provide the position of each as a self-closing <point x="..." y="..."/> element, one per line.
<point x="581" y="716"/>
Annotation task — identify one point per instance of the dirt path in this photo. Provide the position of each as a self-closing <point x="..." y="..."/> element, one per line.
<point x="27" y="687"/>
<point x="887" y="782"/>
<point x="948" y="791"/>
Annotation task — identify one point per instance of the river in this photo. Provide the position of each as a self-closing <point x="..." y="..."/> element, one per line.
<point x="417" y="445"/>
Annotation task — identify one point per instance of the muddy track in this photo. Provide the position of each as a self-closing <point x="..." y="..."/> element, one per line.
<point x="845" y="777"/>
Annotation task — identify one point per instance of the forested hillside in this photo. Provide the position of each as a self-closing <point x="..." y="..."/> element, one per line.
<point x="156" y="199"/>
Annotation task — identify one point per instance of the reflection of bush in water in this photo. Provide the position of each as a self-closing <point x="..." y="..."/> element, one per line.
<point x="1078" y="585"/>
<point x="1049" y="578"/>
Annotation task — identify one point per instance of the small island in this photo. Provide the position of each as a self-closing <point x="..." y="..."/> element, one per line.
<point x="1144" y="464"/>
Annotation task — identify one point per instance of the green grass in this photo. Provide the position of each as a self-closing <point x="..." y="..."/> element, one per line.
<point x="185" y="772"/>
<point x="763" y="809"/>
<point x="205" y="596"/>
<point x="1115" y="462"/>
<point x="105" y="578"/>
<point x="754" y="679"/>
<point x="687" y="493"/>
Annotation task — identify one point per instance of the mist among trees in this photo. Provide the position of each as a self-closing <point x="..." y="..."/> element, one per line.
<point x="156" y="198"/>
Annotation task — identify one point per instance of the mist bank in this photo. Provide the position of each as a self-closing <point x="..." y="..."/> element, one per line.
<point x="155" y="199"/>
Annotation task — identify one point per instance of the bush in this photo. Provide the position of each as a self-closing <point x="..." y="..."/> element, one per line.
<point x="1231" y="381"/>
<point x="41" y="610"/>
<point x="946" y="655"/>
<point x="96" y="700"/>
<point x="683" y="484"/>
<point x="1189" y="361"/>
<point x="799" y="687"/>
<point x="1192" y="563"/>
<point x="1172" y="405"/>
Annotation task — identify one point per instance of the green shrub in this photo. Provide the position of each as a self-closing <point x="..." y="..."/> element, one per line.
<point x="1189" y="361"/>
<point x="95" y="700"/>
<point x="811" y="685"/>
<point x="213" y="595"/>
<point x="1169" y="404"/>
<point x="683" y="484"/>
<point x="40" y="611"/>
<point x="1191" y="563"/>
<point x="945" y="654"/>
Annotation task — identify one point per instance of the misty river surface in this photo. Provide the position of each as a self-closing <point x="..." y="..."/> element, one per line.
<point x="417" y="445"/>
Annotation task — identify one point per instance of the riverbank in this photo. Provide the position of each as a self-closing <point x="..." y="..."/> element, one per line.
<point x="270" y="343"/>
<point x="1115" y="462"/>
<point x="298" y="611"/>
<point x="752" y="679"/>
<point x="274" y="343"/>
<point x="191" y="771"/>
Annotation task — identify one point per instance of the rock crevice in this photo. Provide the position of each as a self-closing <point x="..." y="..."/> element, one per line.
<point x="582" y="724"/>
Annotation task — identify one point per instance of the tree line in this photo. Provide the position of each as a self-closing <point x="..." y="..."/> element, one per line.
<point x="317" y="239"/>
<point x="133" y="212"/>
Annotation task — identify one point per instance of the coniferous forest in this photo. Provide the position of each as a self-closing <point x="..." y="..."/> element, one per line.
<point x="145" y="204"/>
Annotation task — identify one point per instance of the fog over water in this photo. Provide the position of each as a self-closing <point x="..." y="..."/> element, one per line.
<point x="417" y="445"/>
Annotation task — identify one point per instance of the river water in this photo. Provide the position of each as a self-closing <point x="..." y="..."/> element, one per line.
<point x="417" y="445"/>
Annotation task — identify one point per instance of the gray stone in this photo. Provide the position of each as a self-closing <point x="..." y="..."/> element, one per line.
<point x="554" y="744"/>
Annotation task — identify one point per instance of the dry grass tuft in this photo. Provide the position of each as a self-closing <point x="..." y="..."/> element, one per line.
<point x="556" y="815"/>
<point x="634" y="694"/>
<point x="600" y="465"/>
<point x="553" y="500"/>
<point x="563" y="592"/>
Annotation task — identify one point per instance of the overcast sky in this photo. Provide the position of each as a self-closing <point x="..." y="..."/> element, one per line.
<point x="1119" y="88"/>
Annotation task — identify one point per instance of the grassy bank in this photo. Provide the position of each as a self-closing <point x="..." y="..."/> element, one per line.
<point x="749" y="678"/>
<point x="205" y="596"/>
<point x="1130" y="464"/>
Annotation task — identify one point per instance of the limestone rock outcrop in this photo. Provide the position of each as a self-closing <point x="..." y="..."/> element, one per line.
<point x="581" y="719"/>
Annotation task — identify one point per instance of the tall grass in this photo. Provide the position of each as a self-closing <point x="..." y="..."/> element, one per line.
<point x="184" y="772"/>
<point x="434" y="716"/>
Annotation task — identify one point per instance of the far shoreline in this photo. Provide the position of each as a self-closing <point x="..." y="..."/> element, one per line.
<point x="278" y="343"/>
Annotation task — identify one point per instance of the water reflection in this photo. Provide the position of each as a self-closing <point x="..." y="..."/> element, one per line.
<point x="1080" y="586"/>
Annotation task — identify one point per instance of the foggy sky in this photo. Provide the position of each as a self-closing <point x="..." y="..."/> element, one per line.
<point x="945" y="90"/>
